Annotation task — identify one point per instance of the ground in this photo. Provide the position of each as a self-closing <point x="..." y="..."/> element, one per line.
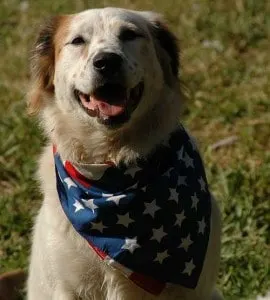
<point x="226" y="77"/>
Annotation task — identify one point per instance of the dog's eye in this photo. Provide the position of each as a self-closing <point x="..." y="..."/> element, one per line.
<point x="78" y="41"/>
<point x="129" y="35"/>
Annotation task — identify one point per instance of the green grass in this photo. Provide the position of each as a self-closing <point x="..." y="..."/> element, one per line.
<point x="226" y="68"/>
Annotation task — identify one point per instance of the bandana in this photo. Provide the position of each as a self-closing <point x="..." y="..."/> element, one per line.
<point x="150" y="221"/>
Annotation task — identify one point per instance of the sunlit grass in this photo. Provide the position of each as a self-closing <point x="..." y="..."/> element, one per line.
<point x="226" y="68"/>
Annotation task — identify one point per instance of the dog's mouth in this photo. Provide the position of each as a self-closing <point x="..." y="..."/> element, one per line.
<point x="111" y="103"/>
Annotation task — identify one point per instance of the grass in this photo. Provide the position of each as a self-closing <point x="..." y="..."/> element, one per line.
<point x="226" y="68"/>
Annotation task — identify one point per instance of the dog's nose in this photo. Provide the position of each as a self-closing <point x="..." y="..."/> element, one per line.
<point x="107" y="63"/>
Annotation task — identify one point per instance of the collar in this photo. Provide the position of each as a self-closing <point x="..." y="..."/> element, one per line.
<point x="151" y="221"/>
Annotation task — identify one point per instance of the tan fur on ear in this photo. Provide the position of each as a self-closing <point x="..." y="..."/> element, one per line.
<point x="42" y="65"/>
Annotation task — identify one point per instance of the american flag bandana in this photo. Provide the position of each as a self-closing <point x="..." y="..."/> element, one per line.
<point x="150" y="221"/>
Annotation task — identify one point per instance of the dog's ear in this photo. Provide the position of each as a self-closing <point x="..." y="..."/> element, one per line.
<point x="166" y="44"/>
<point x="42" y="63"/>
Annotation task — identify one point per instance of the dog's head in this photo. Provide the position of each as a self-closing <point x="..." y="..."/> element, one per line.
<point x="103" y="67"/>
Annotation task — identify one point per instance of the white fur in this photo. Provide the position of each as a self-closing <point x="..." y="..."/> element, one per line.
<point x="62" y="265"/>
<point x="266" y="297"/>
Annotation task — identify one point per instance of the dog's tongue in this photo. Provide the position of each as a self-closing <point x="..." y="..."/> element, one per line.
<point x="105" y="108"/>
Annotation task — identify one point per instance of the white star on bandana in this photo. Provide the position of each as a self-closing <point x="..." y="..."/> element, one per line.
<point x="202" y="226"/>
<point x="182" y="180"/>
<point x="174" y="195"/>
<point x="158" y="234"/>
<point x="78" y="206"/>
<point x="130" y="245"/>
<point x="69" y="182"/>
<point x="90" y="204"/>
<point x="195" y="201"/>
<point x="188" y="161"/>
<point x="189" y="267"/>
<point x="97" y="226"/>
<point x="202" y="184"/>
<point x="124" y="220"/>
<point x="151" y="209"/>
<point x="186" y="242"/>
<point x="180" y="154"/>
<point x="180" y="218"/>
<point x="116" y="199"/>
<point x="161" y="256"/>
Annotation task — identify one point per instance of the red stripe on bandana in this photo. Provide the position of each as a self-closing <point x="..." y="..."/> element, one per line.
<point x="75" y="174"/>
<point x="147" y="283"/>
<point x="54" y="149"/>
<point x="100" y="253"/>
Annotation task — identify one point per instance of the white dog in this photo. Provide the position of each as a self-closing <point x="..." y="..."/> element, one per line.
<point x="126" y="213"/>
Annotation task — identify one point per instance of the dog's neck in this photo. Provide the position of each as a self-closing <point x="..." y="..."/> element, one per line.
<point x="78" y="143"/>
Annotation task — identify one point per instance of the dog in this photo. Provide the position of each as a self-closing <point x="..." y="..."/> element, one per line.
<point x="11" y="284"/>
<point x="114" y="223"/>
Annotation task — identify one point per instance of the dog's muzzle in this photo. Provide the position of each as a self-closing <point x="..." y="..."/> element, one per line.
<point x="110" y="100"/>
